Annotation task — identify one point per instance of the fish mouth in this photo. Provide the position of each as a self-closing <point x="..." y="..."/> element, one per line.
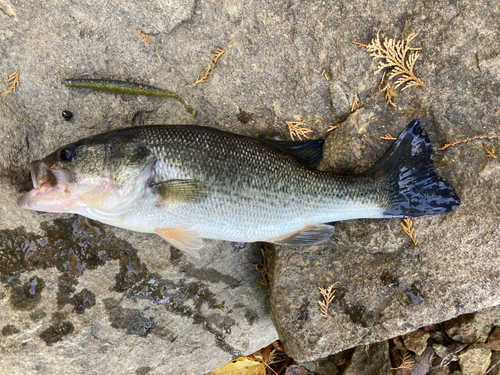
<point x="50" y="189"/>
<point x="42" y="176"/>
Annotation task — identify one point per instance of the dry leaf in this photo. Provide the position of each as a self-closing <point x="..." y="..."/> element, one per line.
<point x="296" y="370"/>
<point x="241" y="366"/>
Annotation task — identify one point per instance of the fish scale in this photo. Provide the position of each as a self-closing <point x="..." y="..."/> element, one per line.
<point x="251" y="183"/>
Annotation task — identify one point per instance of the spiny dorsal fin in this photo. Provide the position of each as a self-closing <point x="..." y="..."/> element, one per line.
<point x="310" y="235"/>
<point x="186" y="240"/>
<point x="181" y="190"/>
<point x="307" y="152"/>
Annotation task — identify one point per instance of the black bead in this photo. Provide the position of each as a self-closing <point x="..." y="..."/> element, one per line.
<point x="67" y="115"/>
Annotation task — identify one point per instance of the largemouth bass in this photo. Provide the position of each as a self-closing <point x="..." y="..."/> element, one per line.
<point x="186" y="183"/>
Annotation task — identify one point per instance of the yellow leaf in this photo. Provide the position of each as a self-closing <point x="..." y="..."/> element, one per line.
<point x="241" y="366"/>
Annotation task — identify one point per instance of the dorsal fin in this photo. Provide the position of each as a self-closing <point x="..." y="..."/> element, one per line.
<point x="306" y="152"/>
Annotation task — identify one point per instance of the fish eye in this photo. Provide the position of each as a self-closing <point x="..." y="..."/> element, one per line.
<point x="67" y="153"/>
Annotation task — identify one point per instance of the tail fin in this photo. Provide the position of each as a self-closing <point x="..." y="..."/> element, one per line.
<point x="415" y="189"/>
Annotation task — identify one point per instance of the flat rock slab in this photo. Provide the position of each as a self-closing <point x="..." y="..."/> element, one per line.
<point x="83" y="298"/>
<point x="144" y="304"/>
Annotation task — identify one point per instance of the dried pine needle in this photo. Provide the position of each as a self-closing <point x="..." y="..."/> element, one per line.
<point x="144" y="36"/>
<point x="484" y="136"/>
<point x="489" y="154"/>
<point x="388" y="137"/>
<point x="297" y="129"/>
<point x="12" y="83"/>
<point x="159" y="58"/>
<point x="218" y="53"/>
<point x="406" y="225"/>
<point x="203" y="78"/>
<point x="358" y="44"/>
<point x="389" y="95"/>
<point x="328" y="294"/>
<point x="355" y="104"/>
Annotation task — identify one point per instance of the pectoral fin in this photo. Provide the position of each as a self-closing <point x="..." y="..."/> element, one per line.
<point x="186" y="240"/>
<point x="181" y="190"/>
<point x="311" y="235"/>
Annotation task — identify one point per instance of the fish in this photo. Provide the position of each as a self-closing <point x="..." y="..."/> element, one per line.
<point x="187" y="183"/>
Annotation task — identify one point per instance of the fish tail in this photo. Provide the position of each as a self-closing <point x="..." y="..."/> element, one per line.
<point x="414" y="188"/>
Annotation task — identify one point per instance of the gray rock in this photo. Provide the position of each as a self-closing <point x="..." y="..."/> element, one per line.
<point x="387" y="286"/>
<point x="494" y="339"/>
<point x="371" y="360"/>
<point x="323" y="366"/>
<point x="441" y="350"/>
<point x="272" y="69"/>
<point x="448" y="354"/>
<point x="149" y="299"/>
<point x="475" y="359"/>
<point x="416" y="341"/>
<point x="470" y="328"/>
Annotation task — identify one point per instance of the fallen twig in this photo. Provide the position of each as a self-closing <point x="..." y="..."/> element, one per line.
<point x="484" y="136"/>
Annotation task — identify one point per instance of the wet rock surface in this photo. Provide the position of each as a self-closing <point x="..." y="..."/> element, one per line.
<point x="78" y="284"/>
<point x="270" y="73"/>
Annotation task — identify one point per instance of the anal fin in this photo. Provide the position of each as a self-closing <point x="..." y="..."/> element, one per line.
<point x="310" y="235"/>
<point x="186" y="240"/>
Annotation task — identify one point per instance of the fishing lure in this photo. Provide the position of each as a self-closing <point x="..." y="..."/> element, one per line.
<point x="122" y="87"/>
